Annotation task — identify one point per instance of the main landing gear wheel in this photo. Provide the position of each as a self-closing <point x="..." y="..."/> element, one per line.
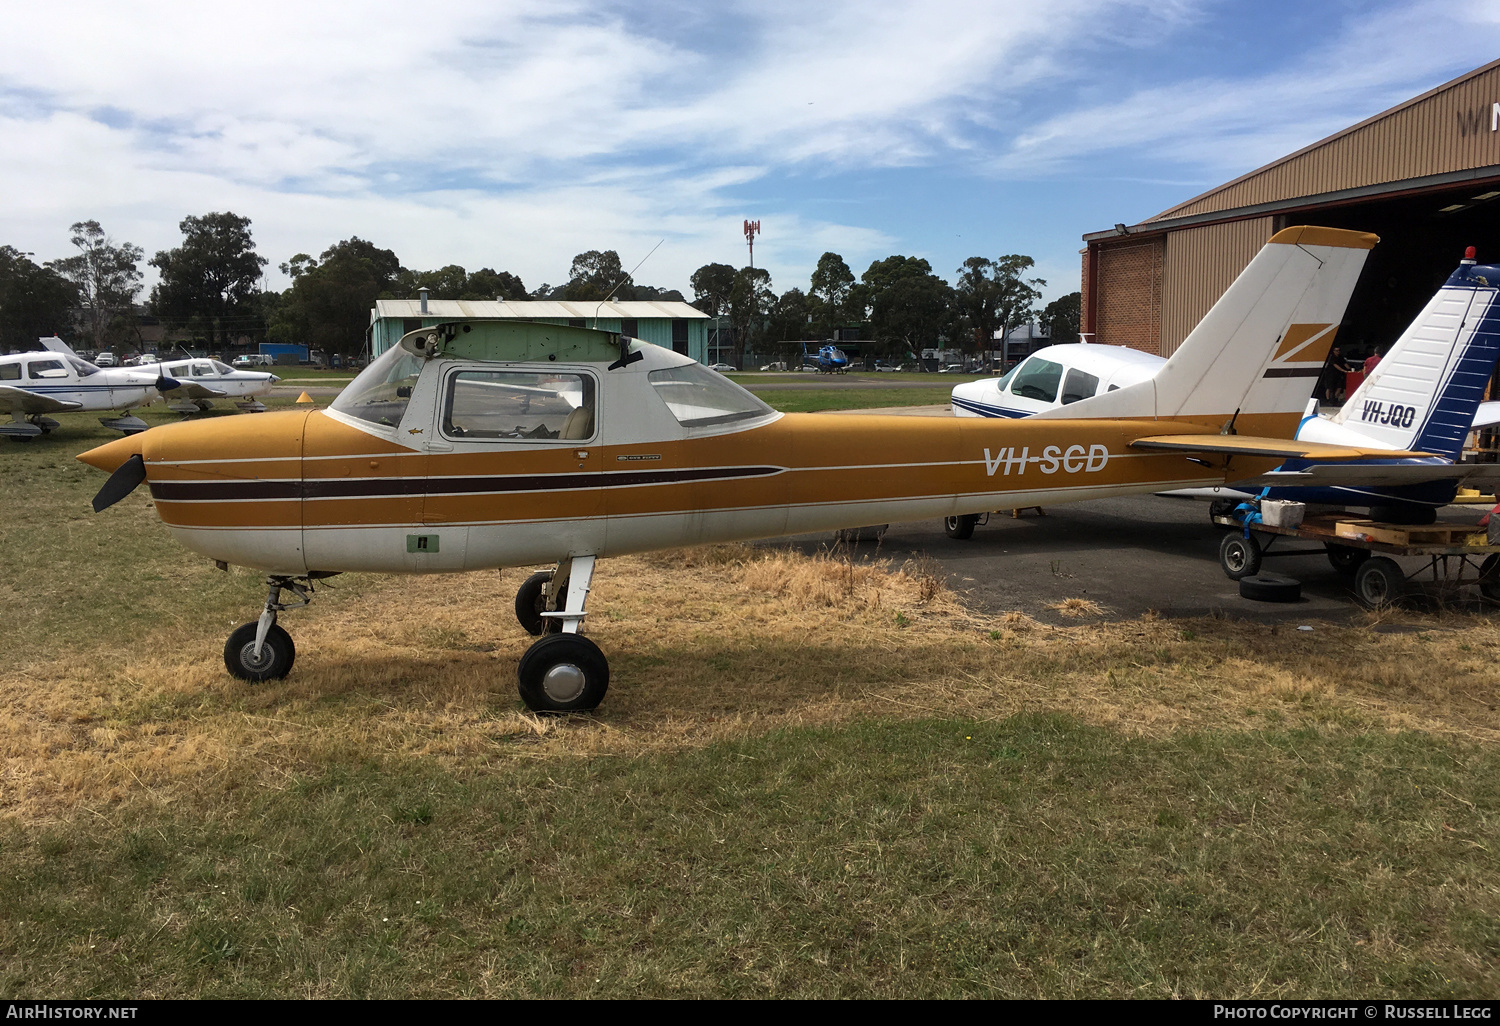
<point x="1345" y="558"/>
<point x="1378" y="583"/>
<point x="563" y="673"/>
<point x="961" y="527"/>
<point x="1239" y="556"/>
<point x="276" y="655"/>
<point x="531" y="602"/>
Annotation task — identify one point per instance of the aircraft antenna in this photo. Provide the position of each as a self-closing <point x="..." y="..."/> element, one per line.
<point x="632" y="271"/>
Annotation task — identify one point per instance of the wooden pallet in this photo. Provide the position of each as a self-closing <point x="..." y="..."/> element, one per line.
<point x="1404" y="535"/>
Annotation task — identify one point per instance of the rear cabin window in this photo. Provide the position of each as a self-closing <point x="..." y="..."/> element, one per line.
<point x="519" y="405"/>
<point x="698" y="397"/>
<point x="1078" y="385"/>
<point x="1038" y="379"/>
<point x="10" y="371"/>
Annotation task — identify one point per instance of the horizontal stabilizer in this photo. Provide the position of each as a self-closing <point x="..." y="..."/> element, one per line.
<point x="1363" y="475"/>
<point x="1487" y="416"/>
<point x="1280" y="448"/>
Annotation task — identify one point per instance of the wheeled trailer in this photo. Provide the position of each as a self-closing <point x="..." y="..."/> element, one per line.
<point x="1457" y="554"/>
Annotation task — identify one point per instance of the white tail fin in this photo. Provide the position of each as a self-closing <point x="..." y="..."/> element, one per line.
<point x="1424" y="393"/>
<point x="1258" y="352"/>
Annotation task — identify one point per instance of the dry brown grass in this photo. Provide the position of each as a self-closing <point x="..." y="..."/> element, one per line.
<point x="704" y="644"/>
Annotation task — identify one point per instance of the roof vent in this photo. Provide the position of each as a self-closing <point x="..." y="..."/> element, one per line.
<point x="422" y="294"/>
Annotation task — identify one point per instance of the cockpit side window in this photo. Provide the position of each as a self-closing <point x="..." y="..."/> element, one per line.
<point x="1038" y="379"/>
<point x="1078" y="385"/>
<point x="40" y="369"/>
<point x="519" y="405"/>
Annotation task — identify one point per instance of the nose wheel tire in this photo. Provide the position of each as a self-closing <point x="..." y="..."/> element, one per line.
<point x="1239" y="556"/>
<point x="563" y="673"/>
<point x="531" y="603"/>
<point x="276" y="655"/>
<point x="959" y="528"/>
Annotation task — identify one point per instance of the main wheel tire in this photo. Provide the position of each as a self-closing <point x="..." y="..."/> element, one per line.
<point x="1378" y="582"/>
<point x="1346" y="559"/>
<point x="531" y="601"/>
<point x="563" y="673"/>
<point x="1489" y="577"/>
<point x="961" y="527"/>
<point x="1239" y="556"/>
<point x="1270" y="588"/>
<point x="276" y="655"/>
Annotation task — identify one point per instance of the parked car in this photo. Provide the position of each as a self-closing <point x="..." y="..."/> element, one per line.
<point x="722" y="368"/>
<point x="253" y="360"/>
<point x="105" y="359"/>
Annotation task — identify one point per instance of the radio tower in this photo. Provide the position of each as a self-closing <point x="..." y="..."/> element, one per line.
<point x="752" y="229"/>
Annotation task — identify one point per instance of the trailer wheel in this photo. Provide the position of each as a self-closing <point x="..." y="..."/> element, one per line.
<point x="1239" y="556"/>
<point x="1346" y="558"/>
<point x="1270" y="588"/>
<point x="1489" y="577"/>
<point x="1378" y="582"/>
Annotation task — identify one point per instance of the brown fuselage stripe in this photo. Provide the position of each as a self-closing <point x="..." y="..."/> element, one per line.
<point x="205" y="491"/>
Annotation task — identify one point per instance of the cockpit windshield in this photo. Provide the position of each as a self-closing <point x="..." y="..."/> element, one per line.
<point x="83" y="368"/>
<point x="383" y="389"/>
<point x="698" y="397"/>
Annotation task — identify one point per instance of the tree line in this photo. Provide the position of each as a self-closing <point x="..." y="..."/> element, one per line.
<point x="210" y="288"/>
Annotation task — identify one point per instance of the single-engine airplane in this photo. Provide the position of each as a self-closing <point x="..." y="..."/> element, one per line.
<point x="460" y="449"/>
<point x="58" y="380"/>
<point x="202" y="380"/>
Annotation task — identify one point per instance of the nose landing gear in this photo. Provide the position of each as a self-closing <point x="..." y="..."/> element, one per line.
<point x="262" y="650"/>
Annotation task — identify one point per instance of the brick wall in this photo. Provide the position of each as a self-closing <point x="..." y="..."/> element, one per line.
<point x="1127" y="296"/>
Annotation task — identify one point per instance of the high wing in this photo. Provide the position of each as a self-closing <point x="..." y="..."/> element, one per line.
<point x="18" y="400"/>
<point x="1281" y="448"/>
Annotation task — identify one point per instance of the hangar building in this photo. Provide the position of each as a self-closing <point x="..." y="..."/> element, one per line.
<point x="1424" y="176"/>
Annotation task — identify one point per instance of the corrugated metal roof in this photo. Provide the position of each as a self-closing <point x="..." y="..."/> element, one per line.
<point x="1445" y="129"/>
<point x="534" y="309"/>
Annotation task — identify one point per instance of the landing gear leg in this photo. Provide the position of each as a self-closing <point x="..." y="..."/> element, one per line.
<point x="565" y="672"/>
<point x="263" y="650"/>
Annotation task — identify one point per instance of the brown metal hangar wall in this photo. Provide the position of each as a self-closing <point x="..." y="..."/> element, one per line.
<point x="1424" y="175"/>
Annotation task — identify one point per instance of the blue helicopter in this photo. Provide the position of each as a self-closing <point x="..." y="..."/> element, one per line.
<point x="830" y="360"/>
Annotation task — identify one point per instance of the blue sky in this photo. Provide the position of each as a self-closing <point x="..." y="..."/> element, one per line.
<point x="516" y="134"/>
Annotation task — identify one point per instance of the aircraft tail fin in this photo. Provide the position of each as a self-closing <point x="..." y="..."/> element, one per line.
<point x="1425" y="391"/>
<point x="1251" y="363"/>
<point x="56" y="345"/>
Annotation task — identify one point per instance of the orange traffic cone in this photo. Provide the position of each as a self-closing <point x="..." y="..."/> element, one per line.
<point x="305" y="398"/>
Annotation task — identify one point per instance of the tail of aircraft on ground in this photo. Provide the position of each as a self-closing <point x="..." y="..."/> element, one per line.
<point x="1249" y="365"/>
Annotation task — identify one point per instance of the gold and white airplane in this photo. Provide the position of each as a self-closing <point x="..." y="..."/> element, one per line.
<point x="482" y="444"/>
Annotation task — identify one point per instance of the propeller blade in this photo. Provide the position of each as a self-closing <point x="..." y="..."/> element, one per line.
<point x="121" y="483"/>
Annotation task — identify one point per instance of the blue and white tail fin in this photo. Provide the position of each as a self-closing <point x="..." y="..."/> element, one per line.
<point x="1424" y="393"/>
<point x="1254" y="357"/>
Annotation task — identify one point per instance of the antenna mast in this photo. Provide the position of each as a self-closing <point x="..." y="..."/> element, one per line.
<point x="752" y="229"/>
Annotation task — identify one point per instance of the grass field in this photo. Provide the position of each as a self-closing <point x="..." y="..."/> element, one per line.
<point x="811" y="777"/>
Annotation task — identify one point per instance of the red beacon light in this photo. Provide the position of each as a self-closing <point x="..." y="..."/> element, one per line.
<point x="1469" y="255"/>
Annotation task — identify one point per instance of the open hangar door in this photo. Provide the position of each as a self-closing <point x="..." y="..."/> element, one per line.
<point x="1422" y="239"/>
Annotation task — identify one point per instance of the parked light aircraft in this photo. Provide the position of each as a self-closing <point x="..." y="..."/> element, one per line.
<point x="202" y="380"/>
<point x="457" y="449"/>
<point x="1424" y="394"/>
<point x="57" y="380"/>
<point x="1055" y="376"/>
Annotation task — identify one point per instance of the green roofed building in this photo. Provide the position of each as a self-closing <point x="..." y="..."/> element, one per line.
<point x="675" y="326"/>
